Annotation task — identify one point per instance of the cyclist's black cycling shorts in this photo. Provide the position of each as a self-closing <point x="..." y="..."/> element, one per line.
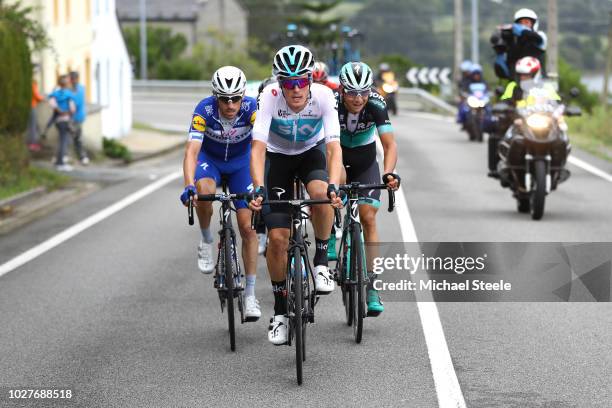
<point x="280" y="170"/>
<point x="361" y="165"/>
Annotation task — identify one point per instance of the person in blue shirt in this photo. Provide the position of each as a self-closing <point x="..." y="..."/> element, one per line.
<point x="79" y="116"/>
<point x="64" y="107"/>
<point x="219" y="145"/>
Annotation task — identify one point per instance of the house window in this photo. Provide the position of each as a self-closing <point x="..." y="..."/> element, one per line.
<point x="67" y="9"/>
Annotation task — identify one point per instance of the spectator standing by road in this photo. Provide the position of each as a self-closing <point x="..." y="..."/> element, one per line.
<point x="79" y="116"/>
<point x="33" y="130"/>
<point x="64" y="107"/>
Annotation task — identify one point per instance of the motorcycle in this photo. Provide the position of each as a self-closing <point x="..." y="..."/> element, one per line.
<point x="534" y="150"/>
<point x="477" y="101"/>
<point x="388" y="90"/>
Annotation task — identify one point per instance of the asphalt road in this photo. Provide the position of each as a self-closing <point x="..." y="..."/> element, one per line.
<point x="120" y="314"/>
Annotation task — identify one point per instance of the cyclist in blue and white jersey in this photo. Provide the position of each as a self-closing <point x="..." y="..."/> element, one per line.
<point x="219" y="145"/>
<point x="296" y="132"/>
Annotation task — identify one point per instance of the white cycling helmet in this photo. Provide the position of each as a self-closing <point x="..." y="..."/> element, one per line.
<point x="356" y="76"/>
<point x="526" y="13"/>
<point x="229" y="81"/>
<point x="528" y="66"/>
<point x="293" y="61"/>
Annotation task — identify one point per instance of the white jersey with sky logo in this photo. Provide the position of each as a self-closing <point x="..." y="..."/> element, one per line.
<point x="292" y="133"/>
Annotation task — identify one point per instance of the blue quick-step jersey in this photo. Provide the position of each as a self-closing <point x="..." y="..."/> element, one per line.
<point x="219" y="142"/>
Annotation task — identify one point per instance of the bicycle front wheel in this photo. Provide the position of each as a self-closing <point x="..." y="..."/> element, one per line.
<point x="357" y="282"/>
<point x="298" y="312"/>
<point x="229" y="286"/>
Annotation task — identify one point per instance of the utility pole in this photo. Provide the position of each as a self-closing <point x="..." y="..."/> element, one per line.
<point x="143" y="39"/>
<point x="458" y="37"/>
<point x="552" y="53"/>
<point x="604" y="94"/>
<point x="475" y="45"/>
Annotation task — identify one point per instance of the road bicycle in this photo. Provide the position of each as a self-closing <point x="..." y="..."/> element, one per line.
<point x="351" y="266"/>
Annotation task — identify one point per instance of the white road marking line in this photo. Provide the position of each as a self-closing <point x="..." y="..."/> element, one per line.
<point x="70" y="232"/>
<point x="447" y="386"/>
<point x="572" y="159"/>
<point x="590" y="168"/>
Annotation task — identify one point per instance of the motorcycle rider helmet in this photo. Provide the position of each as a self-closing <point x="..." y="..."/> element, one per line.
<point x="466" y="66"/>
<point x="384" y="67"/>
<point x="320" y="72"/>
<point x="356" y="76"/>
<point x="526" y="13"/>
<point x="229" y="81"/>
<point x="476" y="69"/>
<point x="528" y="66"/>
<point x="293" y="61"/>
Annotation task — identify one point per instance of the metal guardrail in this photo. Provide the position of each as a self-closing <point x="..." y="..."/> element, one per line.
<point x="407" y="98"/>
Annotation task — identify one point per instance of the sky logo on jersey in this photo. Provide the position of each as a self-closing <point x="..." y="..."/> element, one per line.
<point x="304" y="130"/>
<point x="198" y="123"/>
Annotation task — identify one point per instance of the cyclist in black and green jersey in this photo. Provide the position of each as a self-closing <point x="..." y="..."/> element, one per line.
<point x="362" y="113"/>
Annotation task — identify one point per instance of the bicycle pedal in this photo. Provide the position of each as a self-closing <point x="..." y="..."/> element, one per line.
<point x="251" y="319"/>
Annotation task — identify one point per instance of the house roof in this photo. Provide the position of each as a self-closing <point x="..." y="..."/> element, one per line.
<point x="160" y="10"/>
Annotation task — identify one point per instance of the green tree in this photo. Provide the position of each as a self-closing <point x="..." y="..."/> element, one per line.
<point x="569" y="77"/>
<point x="163" y="48"/>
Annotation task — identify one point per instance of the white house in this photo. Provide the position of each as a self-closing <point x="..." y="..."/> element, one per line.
<point x="111" y="70"/>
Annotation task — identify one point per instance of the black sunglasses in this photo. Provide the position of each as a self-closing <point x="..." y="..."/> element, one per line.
<point x="230" y="99"/>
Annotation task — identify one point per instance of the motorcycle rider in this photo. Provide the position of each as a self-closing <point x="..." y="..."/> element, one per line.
<point x="387" y="86"/>
<point x="528" y="74"/>
<point x="512" y="42"/>
<point x="474" y="77"/>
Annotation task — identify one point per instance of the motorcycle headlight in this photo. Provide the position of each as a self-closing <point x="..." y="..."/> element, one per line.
<point x="474" y="102"/>
<point x="388" y="88"/>
<point x="538" y="122"/>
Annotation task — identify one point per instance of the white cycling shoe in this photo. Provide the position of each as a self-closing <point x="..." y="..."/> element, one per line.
<point x="252" y="313"/>
<point x="324" y="280"/>
<point x="205" y="257"/>
<point x="277" y="331"/>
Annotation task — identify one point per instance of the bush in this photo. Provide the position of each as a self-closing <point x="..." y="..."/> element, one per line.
<point x="16" y="91"/>
<point x="569" y="77"/>
<point x="116" y="150"/>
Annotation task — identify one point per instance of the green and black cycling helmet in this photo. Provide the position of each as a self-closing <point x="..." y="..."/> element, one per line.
<point x="293" y="61"/>
<point x="356" y="76"/>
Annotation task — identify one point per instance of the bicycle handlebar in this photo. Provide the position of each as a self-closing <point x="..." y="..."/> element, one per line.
<point x="348" y="188"/>
<point x="225" y="197"/>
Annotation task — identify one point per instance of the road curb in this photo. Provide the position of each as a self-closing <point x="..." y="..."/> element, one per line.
<point x="47" y="204"/>
<point x="21" y="197"/>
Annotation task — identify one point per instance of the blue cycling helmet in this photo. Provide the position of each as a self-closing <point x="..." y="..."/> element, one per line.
<point x="293" y="61"/>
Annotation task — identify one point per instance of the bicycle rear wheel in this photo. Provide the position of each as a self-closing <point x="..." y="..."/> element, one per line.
<point x="229" y="286"/>
<point x="357" y="282"/>
<point x="298" y="320"/>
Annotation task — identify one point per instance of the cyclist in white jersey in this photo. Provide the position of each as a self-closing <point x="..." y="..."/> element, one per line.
<point x="296" y="132"/>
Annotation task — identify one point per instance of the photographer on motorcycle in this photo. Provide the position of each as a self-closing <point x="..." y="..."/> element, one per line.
<point x="512" y="42"/>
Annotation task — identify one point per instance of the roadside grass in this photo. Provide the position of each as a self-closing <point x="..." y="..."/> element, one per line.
<point x="35" y="177"/>
<point x="593" y="132"/>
